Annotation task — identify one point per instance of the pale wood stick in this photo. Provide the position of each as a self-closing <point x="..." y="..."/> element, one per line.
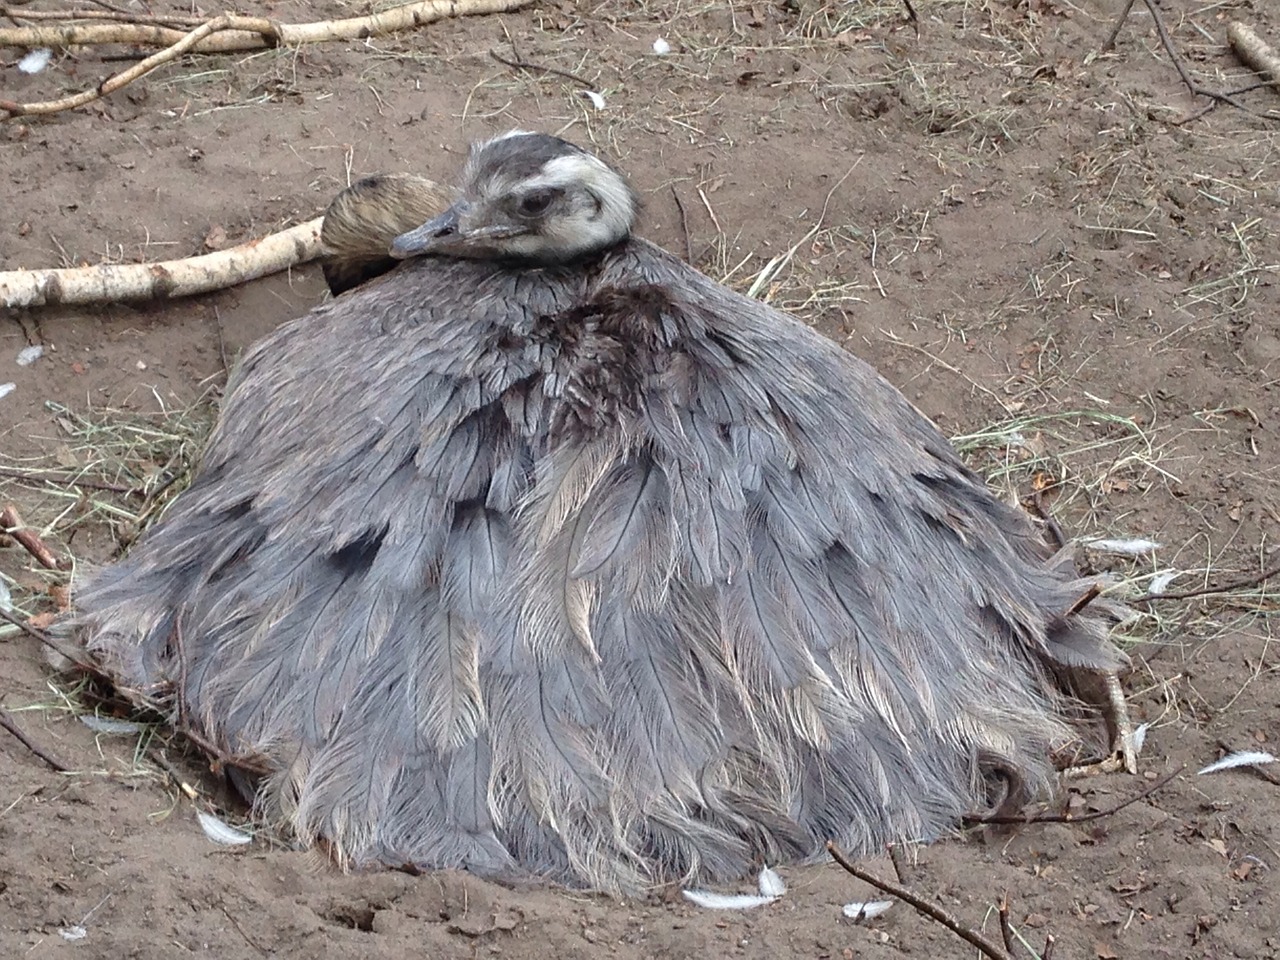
<point x="1254" y="52"/>
<point x="257" y="33"/>
<point x="111" y="84"/>
<point x="106" y="283"/>
<point x="113" y="15"/>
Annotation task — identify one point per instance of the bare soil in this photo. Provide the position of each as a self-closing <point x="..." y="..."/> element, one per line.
<point x="1029" y="237"/>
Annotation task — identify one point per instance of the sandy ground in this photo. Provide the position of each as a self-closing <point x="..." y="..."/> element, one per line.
<point x="1020" y="232"/>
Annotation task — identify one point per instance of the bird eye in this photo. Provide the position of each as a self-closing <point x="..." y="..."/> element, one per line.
<point x="535" y="203"/>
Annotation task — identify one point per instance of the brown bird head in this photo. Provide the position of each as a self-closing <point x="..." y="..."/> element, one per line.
<point x="364" y="219"/>
<point x="529" y="197"/>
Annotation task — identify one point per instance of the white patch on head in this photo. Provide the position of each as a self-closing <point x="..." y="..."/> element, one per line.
<point x="598" y="207"/>
<point x="586" y="228"/>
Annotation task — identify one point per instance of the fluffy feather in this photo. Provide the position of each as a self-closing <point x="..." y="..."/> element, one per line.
<point x="594" y="571"/>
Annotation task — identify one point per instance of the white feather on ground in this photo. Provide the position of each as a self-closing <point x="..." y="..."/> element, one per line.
<point x="1242" y="758"/>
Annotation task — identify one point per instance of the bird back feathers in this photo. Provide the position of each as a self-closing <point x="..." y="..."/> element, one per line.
<point x="602" y="574"/>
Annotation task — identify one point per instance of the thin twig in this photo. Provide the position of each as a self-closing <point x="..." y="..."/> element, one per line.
<point x="65" y="479"/>
<point x="219" y="757"/>
<point x="1218" y="96"/>
<point x="159" y="759"/>
<point x="912" y="18"/>
<point x="1084" y="600"/>
<point x="1231" y="587"/>
<point x="1041" y="510"/>
<point x="12" y="524"/>
<point x="1072" y="817"/>
<point x="248" y="939"/>
<point x="934" y="912"/>
<point x="899" y="863"/>
<point x="684" y="226"/>
<point x="1195" y="88"/>
<point x="539" y="68"/>
<point x="7" y="721"/>
<point x="1110" y="43"/>
<point x="52" y="644"/>
<point x="1006" y="927"/>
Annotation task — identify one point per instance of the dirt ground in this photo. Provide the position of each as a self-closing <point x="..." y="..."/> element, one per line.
<point x="1038" y="242"/>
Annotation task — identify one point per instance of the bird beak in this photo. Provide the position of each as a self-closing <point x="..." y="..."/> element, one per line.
<point x="437" y="233"/>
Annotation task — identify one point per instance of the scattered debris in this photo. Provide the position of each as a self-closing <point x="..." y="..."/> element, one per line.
<point x="597" y="100"/>
<point x="29" y="355"/>
<point x="661" y="47"/>
<point x="726" y="901"/>
<point x="110" y="725"/>
<point x="771" y="885"/>
<point x="1122" y="548"/>
<point x="219" y="832"/>
<point x="7" y="388"/>
<point x="35" y="60"/>
<point x="771" y="888"/>
<point x="869" y="910"/>
<point x="79" y="930"/>
<point x="1140" y="737"/>
<point x="1244" y="758"/>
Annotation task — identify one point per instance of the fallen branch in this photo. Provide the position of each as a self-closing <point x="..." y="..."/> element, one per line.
<point x="114" y="83"/>
<point x="106" y="283"/>
<point x="7" y="721"/>
<point x="1254" y="52"/>
<point x="1196" y="90"/>
<point x="12" y="524"/>
<point x="932" y="911"/>
<point x="256" y="33"/>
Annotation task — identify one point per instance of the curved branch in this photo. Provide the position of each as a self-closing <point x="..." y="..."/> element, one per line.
<point x="111" y="84"/>
<point x="256" y="33"/>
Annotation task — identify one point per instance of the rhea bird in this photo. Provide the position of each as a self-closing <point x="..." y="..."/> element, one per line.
<point x="546" y="556"/>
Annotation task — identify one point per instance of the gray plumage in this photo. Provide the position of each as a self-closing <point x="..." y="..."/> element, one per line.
<point x="545" y="555"/>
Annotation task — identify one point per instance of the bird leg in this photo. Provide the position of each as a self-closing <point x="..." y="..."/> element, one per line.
<point x="1124" y="752"/>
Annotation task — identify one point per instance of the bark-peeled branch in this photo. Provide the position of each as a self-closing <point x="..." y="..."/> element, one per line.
<point x="1254" y="52"/>
<point x="106" y="283"/>
<point x="255" y="33"/>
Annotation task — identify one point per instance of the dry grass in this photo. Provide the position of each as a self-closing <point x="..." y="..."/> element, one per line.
<point x="108" y="472"/>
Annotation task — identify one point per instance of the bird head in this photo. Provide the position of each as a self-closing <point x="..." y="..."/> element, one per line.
<point x="528" y="196"/>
